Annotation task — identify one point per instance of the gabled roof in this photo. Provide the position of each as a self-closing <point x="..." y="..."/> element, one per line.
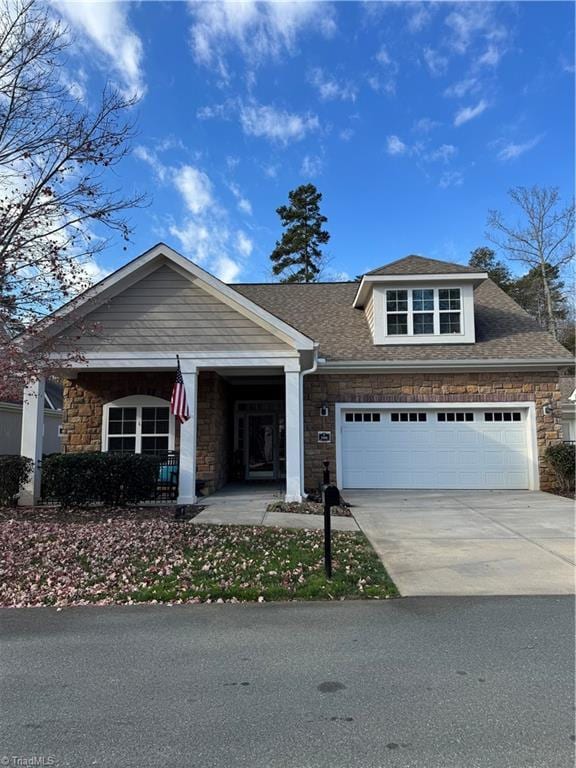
<point x="420" y="265"/>
<point x="145" y="264"/>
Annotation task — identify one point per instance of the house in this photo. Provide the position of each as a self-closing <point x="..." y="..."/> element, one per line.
<point x="423" y="374"/>
<point x="11" y="422"/>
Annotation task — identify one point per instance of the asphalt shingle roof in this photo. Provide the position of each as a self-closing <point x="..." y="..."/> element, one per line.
<point x="420" y="265"/>
<point x="324" y="312"/>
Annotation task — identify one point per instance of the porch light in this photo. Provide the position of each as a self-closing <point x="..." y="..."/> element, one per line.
<point x="324" y="408"/>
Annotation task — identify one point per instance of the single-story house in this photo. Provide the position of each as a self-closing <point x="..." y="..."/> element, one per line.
<point x="11" y="422"/>
<point x="423" y="374"/>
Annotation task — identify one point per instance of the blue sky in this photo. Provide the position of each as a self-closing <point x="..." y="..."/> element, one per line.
<point x="413" y="119"/>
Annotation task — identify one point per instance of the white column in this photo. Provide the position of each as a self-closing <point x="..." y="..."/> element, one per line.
<point x="293" y="436"/>
<point x="187" y="478"/>
<point x="32" y="438"/>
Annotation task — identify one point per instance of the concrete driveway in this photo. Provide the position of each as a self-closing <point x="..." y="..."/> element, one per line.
<point x="471" y="542"/>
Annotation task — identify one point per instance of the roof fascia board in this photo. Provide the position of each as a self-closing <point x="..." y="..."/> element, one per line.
<point x="438" y="277"/>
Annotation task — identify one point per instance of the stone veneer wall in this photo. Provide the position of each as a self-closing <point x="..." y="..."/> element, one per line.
<point x="85" y="396"/>
<point x="542" y="388"/>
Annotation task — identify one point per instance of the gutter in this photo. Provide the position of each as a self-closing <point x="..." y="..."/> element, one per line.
<point x="489" y="364"/>
<point x="313" y="369"/>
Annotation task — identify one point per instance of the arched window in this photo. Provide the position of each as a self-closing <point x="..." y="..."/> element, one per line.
<point x="138" y="424"/>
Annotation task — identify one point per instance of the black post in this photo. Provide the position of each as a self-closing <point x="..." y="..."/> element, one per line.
<point x="327" y="540"/>
<point x="331" y="499"/>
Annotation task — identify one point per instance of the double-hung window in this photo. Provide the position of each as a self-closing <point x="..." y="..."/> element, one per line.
<point x="423" y="311"/>
<point x="138" y="424"/>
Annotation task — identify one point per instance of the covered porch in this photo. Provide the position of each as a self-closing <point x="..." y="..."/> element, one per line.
<point x="245" y="423"/>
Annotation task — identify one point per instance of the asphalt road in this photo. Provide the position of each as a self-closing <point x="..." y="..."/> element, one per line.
<point x="427" y="682"/>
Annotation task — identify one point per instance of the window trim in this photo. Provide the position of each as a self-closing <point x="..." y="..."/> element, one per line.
<point x="436" y="312"/>
<point x="139" y="402"/>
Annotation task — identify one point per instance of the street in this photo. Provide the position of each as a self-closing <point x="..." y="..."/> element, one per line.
<point x="415" y="682"/>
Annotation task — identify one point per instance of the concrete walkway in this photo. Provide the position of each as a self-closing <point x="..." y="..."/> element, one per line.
<point x="245" y="504"/>
<point x="470" y="542"/>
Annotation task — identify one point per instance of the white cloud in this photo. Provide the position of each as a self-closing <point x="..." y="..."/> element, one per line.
<point x="462" y="87"/>
<point x="244" y="245"/>
<point x="226" y="269"/>
<point x="330" y="89"/>
<point x="425" y="125"/>
<point x="436" y="63"/>
<point x="161" y="170"/>
<point x="312" y="165"/>
<point x="346" y="134"/>
<point x="420" y="15"/>
<point x="195" y="187"/>
<point x="508" y="150"/>
<point x="106" y="27"/>
<point x="471" y="20"/>
<point x="469" y="113"/>
<point x="276" y="124"/>
<point x="260" y="31"/>
<point x="451" y="179"/>
<point x="395" y="146"/>
<point x="244" y="205"/>
<point x="444" y="152"/>
<point x="383" y="57"/>
<point x="490" y="57"/>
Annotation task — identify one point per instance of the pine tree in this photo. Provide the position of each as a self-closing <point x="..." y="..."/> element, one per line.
<point x="297" y="257"/>
<point x="529" y="291"/>
<point x="484" y="260"/>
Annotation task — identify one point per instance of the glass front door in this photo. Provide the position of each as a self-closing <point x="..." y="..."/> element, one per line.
<point x="261" y="446"/>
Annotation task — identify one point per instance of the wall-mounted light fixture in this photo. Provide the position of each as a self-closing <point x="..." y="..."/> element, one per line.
<point x="324" y="409"/>
<point x="548" y="409"/>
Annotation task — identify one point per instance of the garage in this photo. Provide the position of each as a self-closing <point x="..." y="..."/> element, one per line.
<point x="442" y="447"/>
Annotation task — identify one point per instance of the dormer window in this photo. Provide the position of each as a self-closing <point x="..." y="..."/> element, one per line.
<point x="423" y="311"/>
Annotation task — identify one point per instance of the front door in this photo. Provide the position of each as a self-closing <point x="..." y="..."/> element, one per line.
<point x="261" y="446"/>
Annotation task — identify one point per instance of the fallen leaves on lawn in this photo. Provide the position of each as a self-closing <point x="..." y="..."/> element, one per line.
<point x="128" y="560"/>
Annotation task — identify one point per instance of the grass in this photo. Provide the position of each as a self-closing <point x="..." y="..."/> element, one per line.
<point x="134" y="561"/>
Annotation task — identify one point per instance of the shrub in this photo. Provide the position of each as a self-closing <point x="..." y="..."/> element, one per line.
<point x="561" y="458"/>
<point x="113" y="479"/>
<point x="14" y="471"/>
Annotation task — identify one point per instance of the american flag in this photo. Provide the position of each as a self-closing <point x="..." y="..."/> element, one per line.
<point x="178" y="403"/>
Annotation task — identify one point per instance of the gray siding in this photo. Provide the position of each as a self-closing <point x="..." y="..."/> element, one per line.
<point x="168" y="311"/>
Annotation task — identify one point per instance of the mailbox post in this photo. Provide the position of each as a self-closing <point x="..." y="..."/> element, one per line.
<point x="331" y="499"/>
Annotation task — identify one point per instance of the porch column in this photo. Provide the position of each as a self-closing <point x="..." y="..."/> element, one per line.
<point x="32" y="438"/>
<point x="188" y="430"/>
<point x="293" y="436"/>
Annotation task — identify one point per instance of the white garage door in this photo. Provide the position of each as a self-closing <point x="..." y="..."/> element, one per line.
<point x="435" y="448"/>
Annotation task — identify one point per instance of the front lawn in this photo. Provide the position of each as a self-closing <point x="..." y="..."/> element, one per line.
<point x="132" y="560"/>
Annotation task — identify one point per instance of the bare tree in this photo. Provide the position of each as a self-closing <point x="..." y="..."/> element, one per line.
<point x="543" y="239"/>
<point x="57" y="208"/>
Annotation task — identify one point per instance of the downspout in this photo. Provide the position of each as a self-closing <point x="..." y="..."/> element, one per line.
<point x="313" y="369"/>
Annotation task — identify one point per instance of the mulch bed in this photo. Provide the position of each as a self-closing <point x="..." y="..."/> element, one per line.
<point x="306" y="508"/>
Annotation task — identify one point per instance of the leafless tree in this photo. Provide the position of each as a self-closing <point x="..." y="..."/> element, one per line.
<point x="58" y="209"/>
<point x="543" y="238"/>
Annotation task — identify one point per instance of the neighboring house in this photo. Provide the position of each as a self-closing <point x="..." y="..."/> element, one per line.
<point x="568" y="408"/>
<point x="11" y="422"/>
<point x="422" y="375"/>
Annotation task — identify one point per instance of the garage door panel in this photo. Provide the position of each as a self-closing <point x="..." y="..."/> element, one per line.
<point x="477" y="451"/>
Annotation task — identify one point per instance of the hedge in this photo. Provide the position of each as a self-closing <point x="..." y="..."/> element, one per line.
<point x="113" y="479"/>
<point x="561" y="458"/>
<point x="14" y="471"/>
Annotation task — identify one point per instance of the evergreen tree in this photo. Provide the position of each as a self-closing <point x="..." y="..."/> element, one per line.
<point x="297" y="257"/>
<point x="529" y="291"/>
<point x="484" y="260"/>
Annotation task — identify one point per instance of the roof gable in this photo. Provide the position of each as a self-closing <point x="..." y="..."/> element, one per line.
<point x="147" y="263"/>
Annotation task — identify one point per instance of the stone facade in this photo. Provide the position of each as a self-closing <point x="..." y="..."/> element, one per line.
<point x="541" y="388"/>
<point x="85" y="396"/>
